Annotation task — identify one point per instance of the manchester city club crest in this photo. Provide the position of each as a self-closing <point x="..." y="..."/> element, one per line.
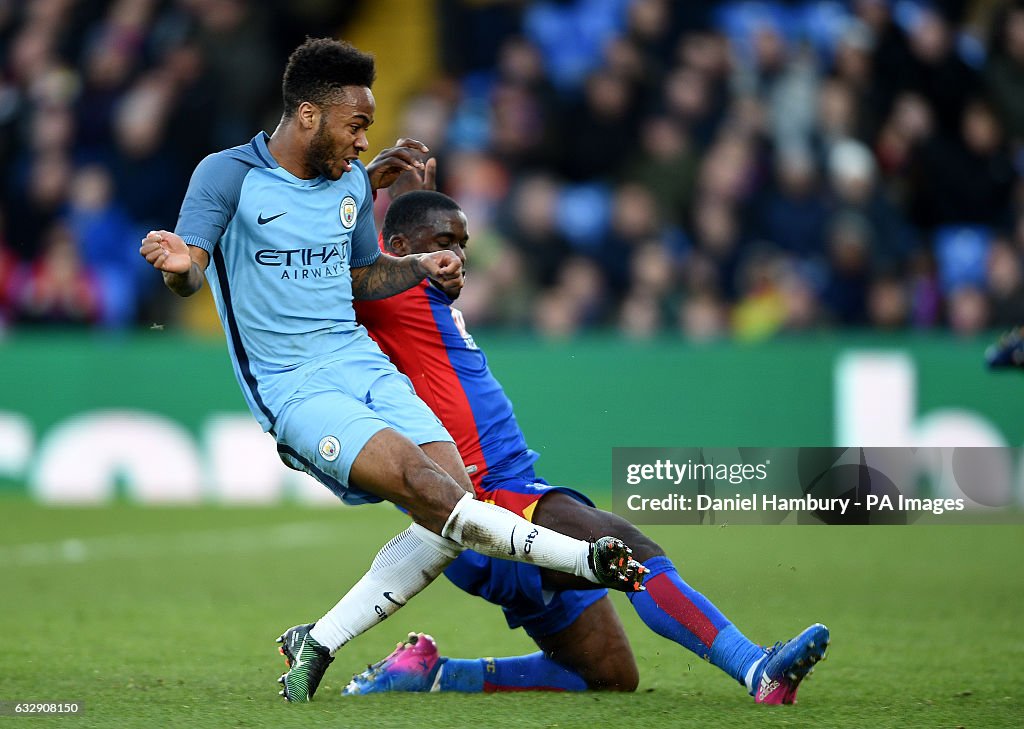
<point x="348" y="212"/>
<point x="329" y="447"/>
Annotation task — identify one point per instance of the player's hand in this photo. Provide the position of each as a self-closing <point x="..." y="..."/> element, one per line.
<point x="415" y="179"/>
<point x="406" y="156"/>
<point x="445" y="269"/>
<point x="166" y="251"/>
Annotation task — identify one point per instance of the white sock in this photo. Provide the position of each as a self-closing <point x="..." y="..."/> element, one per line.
<point x="403" y="567"/>
<point x="496" y="532"/>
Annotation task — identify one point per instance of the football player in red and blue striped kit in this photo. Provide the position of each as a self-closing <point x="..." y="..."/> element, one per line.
<point x="582" y="641"/>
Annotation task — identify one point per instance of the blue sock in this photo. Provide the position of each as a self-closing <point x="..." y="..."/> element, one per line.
<point x="676" y="611"/>
<point x="735" y="654"/>
<point x="534" y="672"/>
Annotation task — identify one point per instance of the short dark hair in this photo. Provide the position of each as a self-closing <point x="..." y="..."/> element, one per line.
<point x="319" y="68"/>
<point x="408" y="211"/>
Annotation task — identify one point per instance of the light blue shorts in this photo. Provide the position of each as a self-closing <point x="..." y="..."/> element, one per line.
<point x="325" y="425"/>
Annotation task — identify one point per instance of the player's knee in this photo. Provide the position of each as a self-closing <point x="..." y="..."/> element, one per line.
<point x="394" y="468"/>
<point x="644" y="547"/>
<point x="629" y="679"/>
<point x="561" y="512"/>
<point x="433" y="496"/>
<point x="615" y="672"/>
<point x="446" y="455"/>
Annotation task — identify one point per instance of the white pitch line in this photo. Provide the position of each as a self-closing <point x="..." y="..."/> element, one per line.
<point x="147" y="546"/>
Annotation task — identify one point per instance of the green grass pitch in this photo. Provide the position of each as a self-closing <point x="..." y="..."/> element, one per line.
<point x="167" y="617"/>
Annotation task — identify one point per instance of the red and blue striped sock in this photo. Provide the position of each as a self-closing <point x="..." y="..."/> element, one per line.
<point x="676" y="611"/>
<point x="533" y="672"/>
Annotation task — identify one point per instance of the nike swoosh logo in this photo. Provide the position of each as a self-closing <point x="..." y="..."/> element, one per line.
<point x="263" y="221"/>
<point x="512" y="542"/>
<point x="393" y="601"/>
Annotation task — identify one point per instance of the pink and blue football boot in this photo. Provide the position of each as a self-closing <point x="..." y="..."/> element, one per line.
<point x="413" y="666"/>
<point x="787" y="664"/>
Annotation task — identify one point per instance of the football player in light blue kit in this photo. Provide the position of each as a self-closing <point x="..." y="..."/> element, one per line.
<point x="282" y="229"/>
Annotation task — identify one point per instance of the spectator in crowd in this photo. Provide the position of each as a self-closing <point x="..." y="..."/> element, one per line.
<point x="850" y="251"/>
<point x="1004" y="68"/>
<point x="58" y="289"/>
<point x="794" y="212"/>
<point x="9" y="269"/>
<point x="888" y="303"/>
<point x="666" y="166"/>
<point x="853" y="179"/>
<point x="968" y="178"/>
<point x="935" y="69"/>
<point x="968" y="311"/>
<point x="1005" y="282"/>
<point x="104" y="237"/>
<point x="530" y="224"/>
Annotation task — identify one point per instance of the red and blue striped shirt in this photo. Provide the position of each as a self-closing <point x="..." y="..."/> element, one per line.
<point x="426" y="338"/>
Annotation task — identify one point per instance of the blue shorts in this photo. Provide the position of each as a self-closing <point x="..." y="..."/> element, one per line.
<point x="326" y="424"/>
<point x="516" y="586"/>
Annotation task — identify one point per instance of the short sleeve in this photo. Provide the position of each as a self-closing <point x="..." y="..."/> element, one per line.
<point x="211" y="200"/>
<point x="365" y="249"/>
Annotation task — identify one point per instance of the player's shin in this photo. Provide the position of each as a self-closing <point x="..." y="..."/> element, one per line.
<point x="533" y="672"/>
<point x="673" y="609"/>
<point x="497" y="532"/>
<point x="415" y="665"/>
<point x="403" y="567"/>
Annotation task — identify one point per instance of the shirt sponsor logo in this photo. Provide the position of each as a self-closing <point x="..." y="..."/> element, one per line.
<point x="298" y="256"/>
<point x="322" y="262"/>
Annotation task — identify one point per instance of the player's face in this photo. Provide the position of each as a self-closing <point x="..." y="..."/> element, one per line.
<point x="443" y="230"/>
<point x="341" y="135"/>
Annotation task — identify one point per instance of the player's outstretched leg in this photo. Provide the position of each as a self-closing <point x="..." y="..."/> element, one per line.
<point x="392" y="467"/>
<point x="405" y="565"/>
<point x="789" y="663"/>
<point x="675" y="610"/>
<point x="668" y="606"/>
<point x="497" y="532"/>
<point x="307" y="660"/>
<point x="1008" y="352"/>
<point x="416" y="665"/>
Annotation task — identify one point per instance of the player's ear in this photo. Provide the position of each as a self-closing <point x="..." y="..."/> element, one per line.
<point x="308" y="115"/>
<point x="399" y="245"/>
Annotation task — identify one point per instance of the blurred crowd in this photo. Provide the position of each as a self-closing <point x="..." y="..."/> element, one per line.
<point x="737" y="169"/>
<point x="106" y="106"/>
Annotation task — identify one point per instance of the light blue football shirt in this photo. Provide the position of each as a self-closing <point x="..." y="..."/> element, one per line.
<point x="281" y="249"/>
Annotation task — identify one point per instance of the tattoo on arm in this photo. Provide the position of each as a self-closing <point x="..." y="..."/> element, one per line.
<point x="387" y="276"/>
<point x="185" y="284"/>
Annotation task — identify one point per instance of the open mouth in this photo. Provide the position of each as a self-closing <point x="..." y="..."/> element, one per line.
<point x="346" y="164"/>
